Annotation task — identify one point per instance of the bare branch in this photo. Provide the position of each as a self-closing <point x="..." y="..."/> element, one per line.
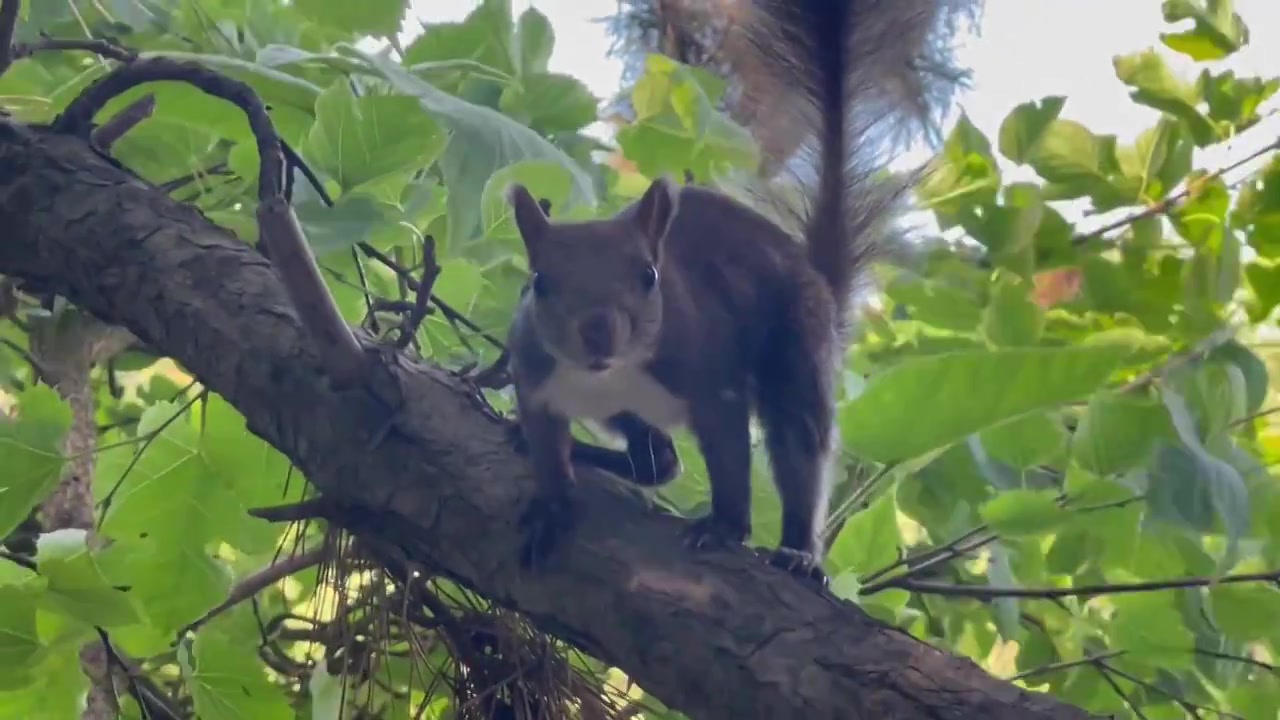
<point x="1170" y="202"/>
<point x="103" y="48"/>
<point x="259" y="581"/>
<point x="987" y="592"/>
<point x="127" y="119"/>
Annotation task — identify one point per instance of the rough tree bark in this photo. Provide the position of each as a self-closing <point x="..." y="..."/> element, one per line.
<point x="715" y="635"/>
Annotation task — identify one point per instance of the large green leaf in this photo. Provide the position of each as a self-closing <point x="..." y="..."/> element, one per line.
<point x="1218" y="30"/>
<point x="227" y="682"/>
<point x="380" y="17"/>
<point x="1155" y="85"/>
<point x="359" y="140"/>
<point x="927" y="403"/>
<point x="76" y="586"/>
<point x="483" y="141"/>
<point x="30" y="453"/>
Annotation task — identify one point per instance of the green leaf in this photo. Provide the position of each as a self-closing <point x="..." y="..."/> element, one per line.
<point x="31" y="453"/>
<point x="926" y="403"/>
<point x="1245" y="612"/>
<point x="1119" y="432"/>
<point x="374" y="17"/>
<point x="273" y="86"/>
<point x="54" y="683"/>
<point x="1252" y="368"/>
<point x="868" y="541"/>
<point x="550" y="103"/>
<point x="1026" y="441"/>
<point x="352" y="219"/>
<point x="1218" y="31"/>
<point x="1155" y="86"/>
<point x="964" y="173"/>
<point x="76" y="586"/>
<point x="484" y="38"/>
<point x="678" y="129"/>
<point x="935" y="302"/>
<point x="1023" y="512"/>
<point x="167" y="495"/>
<point x="1067" y="152"/>
<point x="358" y="140"/>
<point x="19" y="640"/>
<point x="1022" y="129"/>
<point x="172" y="584"/>
<point x="1011" y="318"/>
<point x="1158" y="160"/>
<point x="1214" y="480"/>
<point x="227" y="682"/>
<point x="482" y="142"/>
<point x="326" y="694"/>
<point x="1202" y="218"/>
<point x="1236" y="100"/>
<point x="259" y="474"/>
<point x="546" y="180"/>
<point x="1148" y="625"/>
<point x="536" y="40"/>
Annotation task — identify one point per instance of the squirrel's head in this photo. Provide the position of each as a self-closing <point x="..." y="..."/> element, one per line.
<point x="595" y="293"/>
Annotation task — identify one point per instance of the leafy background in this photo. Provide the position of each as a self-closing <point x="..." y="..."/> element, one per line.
<point x="1058" y="443"/>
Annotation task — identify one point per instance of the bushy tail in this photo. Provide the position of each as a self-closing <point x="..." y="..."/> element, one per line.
<point x="852" y="74"/>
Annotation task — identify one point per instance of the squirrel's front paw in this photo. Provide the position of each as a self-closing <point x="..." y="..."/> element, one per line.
<point x="714" y="531"/>
<point x="799" y="563"/>
<point x="545" y="522"/>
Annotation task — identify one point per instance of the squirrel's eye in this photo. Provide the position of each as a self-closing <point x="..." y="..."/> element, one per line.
<point x="539" y="285"/>
<point x="649" y="277"/>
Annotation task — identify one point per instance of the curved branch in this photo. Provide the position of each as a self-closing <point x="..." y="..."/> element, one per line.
<point x="715" y="634"/>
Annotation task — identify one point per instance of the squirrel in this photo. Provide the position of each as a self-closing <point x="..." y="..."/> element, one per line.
<point x="688" y="308"/>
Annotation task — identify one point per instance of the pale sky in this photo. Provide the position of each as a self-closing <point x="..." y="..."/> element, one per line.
<point x="1024" y="50"/>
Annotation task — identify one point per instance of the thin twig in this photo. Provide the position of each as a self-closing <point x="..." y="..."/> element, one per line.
<point x="1167" y="204"/>
<point x="966" y="543"/>
<point x="218" y="169"/>
<point x="104" y="48"/>
<point x="1190" y="707"/>
<point x="430" y="273"/>
<point x="152" y="701"/>
<point x="445" y="309"/>
<point x="146" y="443"/>
<point x="1065" y="665"/>
<point x="259" y="581"/>
<point x="1245" y="660"/>
<point x="1201" y="350"/>
<point x="79" y="113"/>
<point x="1102" y="670"/>
<point x="987" y="592"/>
<point x="122" y="122"/>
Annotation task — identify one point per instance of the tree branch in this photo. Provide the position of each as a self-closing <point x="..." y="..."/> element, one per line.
<point x="441" y="484"/>
<point x="260" y="581"/>
<point x="987" y="592"/>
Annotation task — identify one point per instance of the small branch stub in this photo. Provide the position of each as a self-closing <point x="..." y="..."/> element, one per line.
<point x="287" y="246"/>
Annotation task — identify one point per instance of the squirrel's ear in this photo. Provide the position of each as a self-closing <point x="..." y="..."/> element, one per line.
<point x="530" y="218"/>
<point x="656" y="210"/>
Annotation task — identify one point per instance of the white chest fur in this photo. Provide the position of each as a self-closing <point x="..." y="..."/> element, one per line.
<point x="597" y="396"/>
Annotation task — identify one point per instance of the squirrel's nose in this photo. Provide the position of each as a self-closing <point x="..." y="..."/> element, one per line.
<point x="596" y="331"/>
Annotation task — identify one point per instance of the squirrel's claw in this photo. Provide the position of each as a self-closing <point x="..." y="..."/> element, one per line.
<point x="713" y="531"/>
<point x="545" y="522"/>
<point x="799" y="563"/>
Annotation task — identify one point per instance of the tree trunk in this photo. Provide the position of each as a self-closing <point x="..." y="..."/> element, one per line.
<point x="66" y="350"/>
<point x="424" y="474"/>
